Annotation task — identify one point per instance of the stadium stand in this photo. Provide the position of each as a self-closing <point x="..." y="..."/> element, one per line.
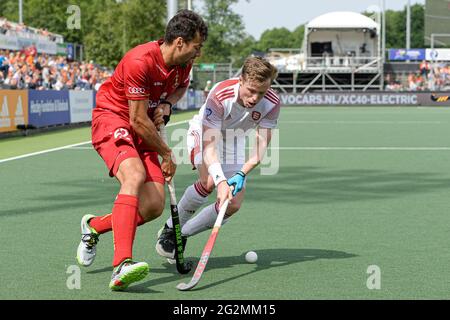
<point x="31" y="68"/>
<point x="427" y="76"/>
<point x="10" y="28"/>
<point x="26" y="69"/>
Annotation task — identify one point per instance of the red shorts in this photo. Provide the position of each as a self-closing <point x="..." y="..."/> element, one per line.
<point x="115" y="141"/>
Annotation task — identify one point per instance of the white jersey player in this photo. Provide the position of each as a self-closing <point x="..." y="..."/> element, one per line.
<point x="216" y="144"/>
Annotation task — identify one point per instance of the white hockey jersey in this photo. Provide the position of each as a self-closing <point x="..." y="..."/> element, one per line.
<point x="222" y="111"/>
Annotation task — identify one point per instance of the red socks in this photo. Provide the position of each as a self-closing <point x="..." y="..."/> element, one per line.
<point x="101" y="224"/>
<point x="104" y="224"/>
<point x="124" y="222"/>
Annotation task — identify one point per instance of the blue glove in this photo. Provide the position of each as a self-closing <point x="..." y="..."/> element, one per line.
<point x="237" y="181"/>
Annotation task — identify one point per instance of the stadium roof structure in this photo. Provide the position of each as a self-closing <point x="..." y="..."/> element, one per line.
<point x="341" y="51"/>
<point x="342" y="19"/>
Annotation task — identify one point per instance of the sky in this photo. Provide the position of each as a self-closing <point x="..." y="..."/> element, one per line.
<point x="260" y="15"/>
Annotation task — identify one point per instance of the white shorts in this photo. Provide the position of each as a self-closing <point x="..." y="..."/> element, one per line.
<point x="231" y="163"/>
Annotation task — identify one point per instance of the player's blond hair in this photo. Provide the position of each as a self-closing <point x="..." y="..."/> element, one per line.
<point x="258" y="69"/>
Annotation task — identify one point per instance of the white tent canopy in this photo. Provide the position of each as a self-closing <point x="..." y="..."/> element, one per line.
<point x="342" y="19"/>
<point x="341" y="50"/>
<point x="342" y="39"/>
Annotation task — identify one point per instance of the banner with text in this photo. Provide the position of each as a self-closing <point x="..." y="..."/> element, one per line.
<point x="437" y="54"/>
<point x="191" y="100"/>
<point x="48" y="108"/>
<point x="366" y="99"/>
<point x="406" y="54"/>
<point x="13" y="109"/>
<point x="81" y="104"/>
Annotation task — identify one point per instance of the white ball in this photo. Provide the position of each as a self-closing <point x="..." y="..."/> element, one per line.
<point x="251" y="257"/>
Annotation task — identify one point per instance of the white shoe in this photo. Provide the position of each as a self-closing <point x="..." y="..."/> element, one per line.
<point x="127" y="273"/>
<point x="165" y="245"/>
<point x="89" y="239"/>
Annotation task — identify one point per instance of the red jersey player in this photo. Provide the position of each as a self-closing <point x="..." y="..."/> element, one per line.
<point x="146" y="82"/>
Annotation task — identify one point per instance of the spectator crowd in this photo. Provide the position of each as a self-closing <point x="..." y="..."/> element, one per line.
<point x="26" y="69"/>
<point x="429" y="77"/>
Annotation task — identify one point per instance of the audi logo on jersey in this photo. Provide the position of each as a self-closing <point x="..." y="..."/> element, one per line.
<point x="121" y="133"/>
<point x="134" y="90"/>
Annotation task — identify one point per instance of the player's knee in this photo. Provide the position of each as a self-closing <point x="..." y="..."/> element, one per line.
<point x="233" y="208"/>
<point x="152" y="211"/>
<point x="134" y="178"/>
<point x="152" y="208"/>
<point x="158" y="209"/>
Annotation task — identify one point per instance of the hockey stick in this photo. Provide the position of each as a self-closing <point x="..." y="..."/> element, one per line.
<point x="206" y="251"/>
<point x="182" y="267"/>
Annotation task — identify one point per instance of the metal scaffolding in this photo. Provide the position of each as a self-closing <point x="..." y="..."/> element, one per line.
<point x="335" y="73"/>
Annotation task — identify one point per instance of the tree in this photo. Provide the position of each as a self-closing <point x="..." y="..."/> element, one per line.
<point x="143" y="21"/>
<point x="104" y="42"/>
<point x="122" y="26"/>
<point x="396" y="27"/>
<point x="276" y="38"/>
<point x="2" y="8"/>
<point x="225" y="30"/>
<point x="242" y="50"/>
<point x="109" y="28"/>
<point x="298" y="35"/>
<point x="417" y="26"/>
<point x="45" y="14"/>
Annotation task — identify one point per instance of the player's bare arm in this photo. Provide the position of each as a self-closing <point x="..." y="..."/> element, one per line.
<point x="212" y="163"/>
<point x="174" y="98"/>
<point x="145" y="128"/>
<point x="163" y="109"/>
<point x="262" y="141"/>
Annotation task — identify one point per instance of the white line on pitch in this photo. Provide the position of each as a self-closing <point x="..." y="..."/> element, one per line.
<point x="67" y="146"/>
<point x="367" y="148"/>
<point x="361" y="122"/>
<point x="352" y="148"/>
<point x="43" y="151"/>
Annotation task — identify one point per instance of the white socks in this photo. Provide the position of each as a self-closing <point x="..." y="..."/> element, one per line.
<point x="193" y="198"/>
<point x="204" y="220"/>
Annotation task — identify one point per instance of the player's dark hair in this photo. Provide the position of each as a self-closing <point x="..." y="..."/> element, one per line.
<point x="185" y="24"/>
